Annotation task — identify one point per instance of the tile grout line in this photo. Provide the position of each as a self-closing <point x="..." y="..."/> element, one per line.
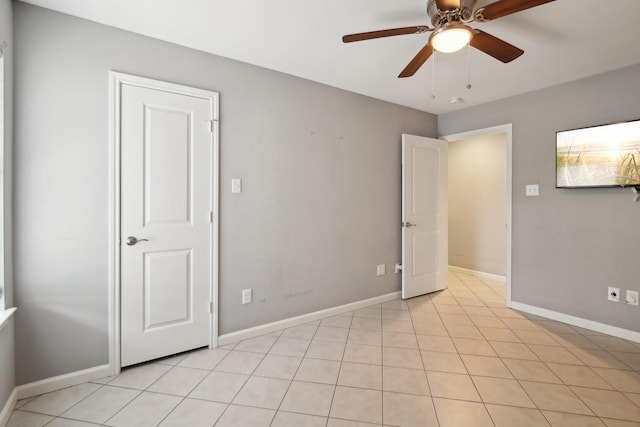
<point x="248" y="377"/>
<point x="186" y="395"/>
<point x="475" y="386"/>
<point x="294" y="374"/>
<point x="608" y="351"/>
<point x="433" y="403"/>
<point x="344" y="350"/>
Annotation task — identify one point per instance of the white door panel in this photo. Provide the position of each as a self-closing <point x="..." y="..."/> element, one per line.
<point x="424" y="215"/>
<point x="425" y="253"/>
<point x="167" y="289"/>
<point x="166" y="197"/>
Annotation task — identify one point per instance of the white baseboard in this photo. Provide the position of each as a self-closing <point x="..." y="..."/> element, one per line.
<point x="62" y="381"/>
<point x="73" y="378"/>
<point x="480" y="274"/>
<point x="5" y="316"/>
<point x="8" y="407"/>
<point x="305" y="318"/>
<point x="578" y="321"/>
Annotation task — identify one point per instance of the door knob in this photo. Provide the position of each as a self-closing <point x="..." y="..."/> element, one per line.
<point x="408" y="224"/>
<point x="132" y="240"/>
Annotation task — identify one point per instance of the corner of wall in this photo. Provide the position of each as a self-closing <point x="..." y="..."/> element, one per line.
<point x="8" y="392"/>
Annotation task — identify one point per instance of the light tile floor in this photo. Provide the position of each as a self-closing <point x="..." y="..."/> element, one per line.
<point x="452" y="358"/>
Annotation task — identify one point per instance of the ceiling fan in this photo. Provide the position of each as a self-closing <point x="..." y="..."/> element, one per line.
<point x="451" y="33"/>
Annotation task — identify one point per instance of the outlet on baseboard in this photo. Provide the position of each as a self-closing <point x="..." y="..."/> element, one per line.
<point x="381" y="270"/>
<point x="246" y="296"/>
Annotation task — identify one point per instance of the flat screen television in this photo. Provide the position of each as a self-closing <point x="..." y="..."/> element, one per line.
<point x="599" y="156"/>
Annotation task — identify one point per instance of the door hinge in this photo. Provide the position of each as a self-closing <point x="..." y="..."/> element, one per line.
<point x="211" y="217"/>
<point x="211" y="307"/>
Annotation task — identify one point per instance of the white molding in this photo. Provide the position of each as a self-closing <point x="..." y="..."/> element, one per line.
<point x="114" y="224"/>
<point x="507" y="129"/>
<point x="214" y="243"/>
<point x="116" y="80"/>
<point x="62" y="381"/>
<point x="480" y="274"/>
<point x="578" y="321"/>
<point x="73" y="378"/>
<point x="478" y="132"/>
<point x="8" y="408"/>
<point x="5" y="315"/>
<point x="256" y="331"/>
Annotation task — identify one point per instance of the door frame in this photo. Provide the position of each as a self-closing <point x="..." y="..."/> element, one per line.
<point x="116" y="81"/>
<point x="508" y="131"/>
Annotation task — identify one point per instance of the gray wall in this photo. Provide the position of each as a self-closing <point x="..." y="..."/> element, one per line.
<point x="7" y="377"/>
<point x="568" y="245"/>
<point x="478" y="203"/>
<point x="321" y="186"/>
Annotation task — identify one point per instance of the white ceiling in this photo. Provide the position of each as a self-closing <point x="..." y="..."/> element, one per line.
<point x="563" y="41"/>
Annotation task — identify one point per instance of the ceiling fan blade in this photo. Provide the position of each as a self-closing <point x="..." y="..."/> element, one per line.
<point x="447" y="4"/>
<point x="384" y="33"/>
<point x="493" y="46"/>
<point x="507" y="7"/>
<point x="417" y="61"/>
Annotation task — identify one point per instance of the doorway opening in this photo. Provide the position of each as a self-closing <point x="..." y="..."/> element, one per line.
<point x="480" y="204"/>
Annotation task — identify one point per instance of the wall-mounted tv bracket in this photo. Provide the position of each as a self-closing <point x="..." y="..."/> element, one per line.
<point x="636" y="192"/>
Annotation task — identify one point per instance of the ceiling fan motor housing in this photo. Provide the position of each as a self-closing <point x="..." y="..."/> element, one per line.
<point x="441" y="17"/>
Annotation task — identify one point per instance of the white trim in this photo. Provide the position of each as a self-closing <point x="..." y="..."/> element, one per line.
<point x="215" y="230"/>
<point x="508" y="130"/>
<point x="8" y="408"/>
<point x="114" y="224"/>
<point x="73" y="378"/>
<point x="480" y="274"/>
<point x="116" y="80"/>
<point x="578" y="321"/>
<point x="256" y="331"/>
<point x="62" y="381"/>
<point x="5" y="315"/>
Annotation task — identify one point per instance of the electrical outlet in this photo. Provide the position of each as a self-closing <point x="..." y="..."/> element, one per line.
<point x="381" y="270"/>
<point x="632" y="297"/>
<point x="532" y="190"/>
<point x="613" y="294"/>
<point x="398" y="268"/>
<point x="236" y="185"/>
<point x="246" y="296"/>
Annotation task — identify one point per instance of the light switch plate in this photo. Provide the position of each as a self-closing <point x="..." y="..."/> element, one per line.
<point x="532" y="190"/>
<point x="246" y="296"/>
<point x="236" y="185"/>
<point x="381" y="270"/>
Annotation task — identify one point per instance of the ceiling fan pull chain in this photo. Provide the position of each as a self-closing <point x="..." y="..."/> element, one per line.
<point x="468" y="66"/>
<point x="433" y="75"/>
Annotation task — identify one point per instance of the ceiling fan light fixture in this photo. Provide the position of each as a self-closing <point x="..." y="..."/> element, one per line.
<point x="451" y="38"/>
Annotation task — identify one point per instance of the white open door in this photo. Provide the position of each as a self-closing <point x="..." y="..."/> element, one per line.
<point x="424" y="215"/>
<point x="166" y="274"/>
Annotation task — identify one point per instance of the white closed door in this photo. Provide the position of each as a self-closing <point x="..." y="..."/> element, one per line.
<point x="424" y="215"/>
<point x="166" y="238"/>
